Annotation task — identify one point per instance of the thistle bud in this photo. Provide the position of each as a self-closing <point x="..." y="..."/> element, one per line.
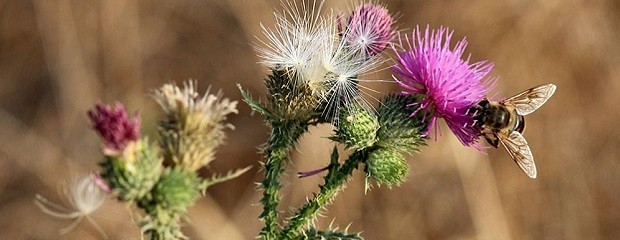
<point x="177" y="188"/>
<point x="400" y="123"/>
<point x="132" y="176"/>
<point x="386" y="167"/>
<point x="357" y="128"/>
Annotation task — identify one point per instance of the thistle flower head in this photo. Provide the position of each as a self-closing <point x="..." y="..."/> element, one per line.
<point x="194" y="126"/>
<point x="115" y="127"/>
<point x="85" y="196"/>
<point x="316" y="57"/>
<point x="369" y="28"/>
<point x="448" y="84"/>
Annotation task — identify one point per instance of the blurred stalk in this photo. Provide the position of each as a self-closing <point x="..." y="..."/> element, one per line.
<point x="67" y="62"/>
<point x="481" y="192"/>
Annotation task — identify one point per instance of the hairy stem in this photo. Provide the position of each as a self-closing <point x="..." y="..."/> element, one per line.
<point x="284" y="134"/>
<point x="334" y="180"/>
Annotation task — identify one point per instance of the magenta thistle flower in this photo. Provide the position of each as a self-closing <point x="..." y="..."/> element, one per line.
<point x="369" y="29"/>
<point x="448" y="84"/>
<point x="115" y="127"/>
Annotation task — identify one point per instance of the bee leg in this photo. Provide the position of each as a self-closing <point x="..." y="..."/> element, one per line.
<point x="492" y="140"/>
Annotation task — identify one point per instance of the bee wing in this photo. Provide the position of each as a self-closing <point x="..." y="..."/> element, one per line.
<point x="520" y="152"/>
<point x="529" y="100"/>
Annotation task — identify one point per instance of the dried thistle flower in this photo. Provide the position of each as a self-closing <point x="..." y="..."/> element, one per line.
<point x="193" y="126"/>
<point x="85" y="195"/>
<point x="115" y="127"/>
<point x="448" y="84"/>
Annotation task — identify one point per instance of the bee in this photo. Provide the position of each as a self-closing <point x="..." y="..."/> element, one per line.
<point x="503" y="122"/>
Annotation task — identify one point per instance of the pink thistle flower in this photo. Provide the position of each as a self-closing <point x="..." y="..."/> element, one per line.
<point x="115" y="127"/>
<point x="369" y="29"/>
<point x="448" y="84"/>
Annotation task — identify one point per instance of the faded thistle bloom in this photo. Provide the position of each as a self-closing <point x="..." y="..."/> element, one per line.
<point x="311" y="49"/>
<point x="115" y="127"/>
<point x="449" y="85"/>
<point x="193" y="126"/>
<point x="369" y="28"/>
<point x="85" y="194"/>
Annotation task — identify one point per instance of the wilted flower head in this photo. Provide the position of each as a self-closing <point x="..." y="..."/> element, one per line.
<point x="448" y="84"/>
<point x="369" y="28"/>
<point x="317" y="57"/>
<point x="85" y="196"/>
<point x="194" y="125"/>
<point x="115" y="127"/>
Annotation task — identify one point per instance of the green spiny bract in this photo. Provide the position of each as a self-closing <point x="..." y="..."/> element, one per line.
<point x="386" y="167"/>
<point x="177" y="188"/>
<point x="288" y="98"/>
<point x="162" y="223"/>
<point x="399" y="129"/>
<point x="357" y="128"/>
<point x="133" y="174"/>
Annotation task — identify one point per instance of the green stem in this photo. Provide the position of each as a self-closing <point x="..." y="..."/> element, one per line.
<point x="284" y="134"/>
<point x="334" y="180"/>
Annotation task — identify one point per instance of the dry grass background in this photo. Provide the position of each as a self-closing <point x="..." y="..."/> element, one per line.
<point x="59" y="57"/>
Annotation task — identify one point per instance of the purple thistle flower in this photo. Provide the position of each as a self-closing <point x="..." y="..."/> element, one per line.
<point x="448" y="84"/>
<point x="115" y="127"/>
<point x="369" y="28"/>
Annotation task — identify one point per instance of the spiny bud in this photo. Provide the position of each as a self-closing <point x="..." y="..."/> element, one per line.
<point x="400" y="123"/>
<point x="162" y="224"/>
<point x="288" y="98"/>
<point x="177" y="188"/>
<point x="386" y="167"/>
<point x="357" y="128"/>
<point x="133" y="174"/>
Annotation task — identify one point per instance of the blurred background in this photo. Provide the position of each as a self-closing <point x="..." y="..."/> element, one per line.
<point x="60" y="57"/>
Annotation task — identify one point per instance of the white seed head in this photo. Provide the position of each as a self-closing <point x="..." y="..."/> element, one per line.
<point x="293" y="42"/>
<point x="84" y="195"/>
<point x="312" y="49"/>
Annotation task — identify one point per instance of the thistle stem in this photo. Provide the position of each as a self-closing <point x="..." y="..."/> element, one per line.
<point x="334" y="180"/>
<point x="284" y="134"/>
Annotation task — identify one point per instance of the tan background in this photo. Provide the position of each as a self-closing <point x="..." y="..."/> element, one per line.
<point x="58" y="58"/>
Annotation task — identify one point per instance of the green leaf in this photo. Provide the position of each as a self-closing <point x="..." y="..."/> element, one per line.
<point x="215" y="179"/>
<point x="255" y="105"/>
